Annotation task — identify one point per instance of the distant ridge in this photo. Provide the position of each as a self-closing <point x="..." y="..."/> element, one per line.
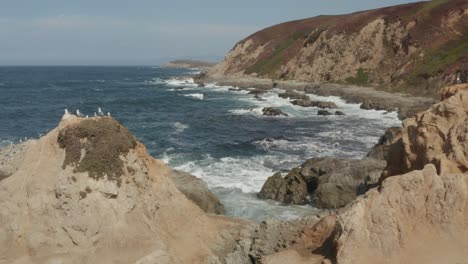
<point x="188" y="64"/>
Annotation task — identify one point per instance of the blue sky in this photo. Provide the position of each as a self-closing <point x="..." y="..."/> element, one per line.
<point x="144" y="32"/>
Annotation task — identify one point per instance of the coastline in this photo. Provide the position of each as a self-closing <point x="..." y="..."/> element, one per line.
<point x="370" y="98"/>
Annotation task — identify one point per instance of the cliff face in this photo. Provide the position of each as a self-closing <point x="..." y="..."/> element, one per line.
<point x="416" y="48"/>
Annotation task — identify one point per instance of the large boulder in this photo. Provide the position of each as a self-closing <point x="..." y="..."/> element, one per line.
<point x="197" y="190"/>
<point x="292" y="189"/>
<point x="271" y="111"/>
<point x="438" y="135"/>
<point x="330" y="182"/>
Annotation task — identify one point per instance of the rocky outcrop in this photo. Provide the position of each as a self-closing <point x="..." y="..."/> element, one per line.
<point x="332" y="183"/>
<point x="309" y="103"/>
<point x="65" y="204"/>
<point x="382" y="148"/>
<point x="418" y="217"/>
<point x="197" y="190"/>
<point x="271" y="111"/>
<point x="415" y="48"/>
<point x="438" y="135"/>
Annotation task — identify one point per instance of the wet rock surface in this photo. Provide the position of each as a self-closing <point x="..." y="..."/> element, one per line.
<point x="330" y="182"/>
<point x="271" y="111"/>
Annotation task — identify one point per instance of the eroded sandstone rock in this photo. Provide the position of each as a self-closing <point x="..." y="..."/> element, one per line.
<point x="438" y="136"/>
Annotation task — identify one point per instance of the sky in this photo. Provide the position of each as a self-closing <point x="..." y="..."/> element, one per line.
<point x="144" y="32"/>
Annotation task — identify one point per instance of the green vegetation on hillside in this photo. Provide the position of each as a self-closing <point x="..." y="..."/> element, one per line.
<point x="361" y="78"/>
<point x="274" y="60"/>
<point x="436" y="61"/>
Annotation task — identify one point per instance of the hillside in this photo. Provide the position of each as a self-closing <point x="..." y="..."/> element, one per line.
<point x="416" y="48"/>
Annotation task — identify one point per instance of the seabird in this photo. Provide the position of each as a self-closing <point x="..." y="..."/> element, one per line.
<point x="66" y="111"/>
<point x="108" y="114"/>
<point x="95" y="114"/>
<point x="87" y="116"/>
<point x="78" y="113"/>
<point x="100" y="111"/>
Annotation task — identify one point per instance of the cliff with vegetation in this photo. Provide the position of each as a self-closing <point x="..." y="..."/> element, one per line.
<point x="415" y="48"/>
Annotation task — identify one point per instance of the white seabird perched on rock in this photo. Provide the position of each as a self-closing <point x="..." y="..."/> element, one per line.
<point x="100" y="111"/>
<point x="108" y="113"/>
<point x="95" y="115"/>
<point x="66" y="111"/>
<point x="78" y="113"/>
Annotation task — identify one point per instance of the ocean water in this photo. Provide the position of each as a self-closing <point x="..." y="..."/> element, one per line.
<point x="211" y="132"/>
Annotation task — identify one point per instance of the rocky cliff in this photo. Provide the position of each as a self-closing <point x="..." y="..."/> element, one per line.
<point x="416" y="48"/>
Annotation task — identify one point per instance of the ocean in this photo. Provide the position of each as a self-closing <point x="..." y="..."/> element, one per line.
<point x="217" y="134"/>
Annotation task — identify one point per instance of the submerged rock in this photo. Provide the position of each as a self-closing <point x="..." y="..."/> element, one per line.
<point x="339" y="113"/>
<point x="323" y="112"/>
<point x="271" y="111"/>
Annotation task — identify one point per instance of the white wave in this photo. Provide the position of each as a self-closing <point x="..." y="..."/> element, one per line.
<point x="181" y="82"/>
<point x="245" y="174"/>
<point x="198" y="96"/>
<point x="180" y="127"/>
<point x="251" y="111"/>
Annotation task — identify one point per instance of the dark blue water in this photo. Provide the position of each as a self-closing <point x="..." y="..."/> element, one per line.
<point x="214" y="133"/>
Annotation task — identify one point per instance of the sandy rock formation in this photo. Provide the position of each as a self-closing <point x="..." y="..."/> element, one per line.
<point x="77" y="198"/>
<point x="309" y="103"/>
<point x="438" y="135"/>
<point x="419" y="217"/>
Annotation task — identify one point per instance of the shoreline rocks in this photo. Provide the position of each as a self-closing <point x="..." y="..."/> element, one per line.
<point x="329" y="182"/>
<point x="372" y="98"/>
<point x="309" y="103"/>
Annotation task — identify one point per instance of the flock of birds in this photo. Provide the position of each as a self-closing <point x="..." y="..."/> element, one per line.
<point x="79" y="114"/>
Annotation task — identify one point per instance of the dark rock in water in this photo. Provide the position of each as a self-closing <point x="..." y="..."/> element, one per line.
<point x="331" y="182"/>
<point x="271" y="111"/>
<point x="308" y="103"/>
<point x="233" y="89"/>
<point x="293" y="95"/>
<point x="292" y="189"/>
<point x="339" y="113"/>
<point x="323" y="112"/>
<point x="197" y="190"/>
<point x="258" y="98"/>
<point x="383" y="147"/>
<point x="201" y="85"/>
<point x="257" y="91"/>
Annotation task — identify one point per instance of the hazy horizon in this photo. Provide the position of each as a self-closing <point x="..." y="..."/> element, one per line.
<point x="118" y="32"/>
